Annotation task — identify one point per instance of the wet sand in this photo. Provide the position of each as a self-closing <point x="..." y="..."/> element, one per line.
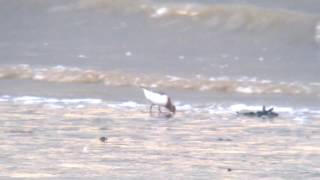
<point x="40" y="142"/>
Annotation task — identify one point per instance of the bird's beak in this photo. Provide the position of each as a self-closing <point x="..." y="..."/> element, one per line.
<point x="173" y="109"/>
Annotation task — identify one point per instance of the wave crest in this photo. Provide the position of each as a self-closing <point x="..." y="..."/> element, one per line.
<point x="228" y="16"/>
<point x="245" y="85"/>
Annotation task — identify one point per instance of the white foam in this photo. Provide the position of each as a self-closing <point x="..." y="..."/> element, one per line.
<point x="181" y="57"/>
<point x="3" y="100"/>
<point x="212" y="79"/>
<point x="285" y="109"/>
<point x="53" y="106"/>
<point x="128" y="53"/>
<point x="76" y="101"/>
<point x="298" y="114"/>
<point x="125" y="105"/>
<point x="160" y="12"/>
<point x="301" y="119"/>
<point x="223" y="78"/>
<point x="307" y="110"/>
<point x="173" y="78"/>
<point x="204" y="88"/>
<point x="28" y="100"/>
<point x="184" y="107"/>
<point x="317" y="33"/>
<point x="82" y="56"/>
<point x="80" y="106"/>
<point x="59" y="68"/>
<point x="44" y="100"/>
<point x="315" y="84"/>
<point x="216" y="109"/>
<point x="38" y="76"/>
<point x="261" y="58"/>
<point x="265" y="81"/>
<point x="239" y="107"/>
<point x="246" y="90"/>
<point x="277" y="91"/>
<point x="130" y="104"/>
<point x="154" y="85"/>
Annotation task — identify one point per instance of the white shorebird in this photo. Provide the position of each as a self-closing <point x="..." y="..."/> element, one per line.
<point x="159" y="99"/>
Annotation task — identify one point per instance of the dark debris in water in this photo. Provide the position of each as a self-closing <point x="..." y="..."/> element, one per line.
<point x="168" y="116"/>
<point x="20" y="131"/>
<point x="103" y="139"/>
<point x="223" y="139"/>
<point x="103" y="128"/>
<point x="260" y="114"/>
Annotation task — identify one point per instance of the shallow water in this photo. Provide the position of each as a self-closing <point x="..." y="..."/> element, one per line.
<point x="71" y="72"/>
<point x="51" y="141"/>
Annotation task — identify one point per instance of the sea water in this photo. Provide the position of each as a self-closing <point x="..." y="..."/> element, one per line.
<point x="71" y="72"/>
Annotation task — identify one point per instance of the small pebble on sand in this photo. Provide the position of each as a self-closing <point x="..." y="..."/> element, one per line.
<point x="103" y="139"/>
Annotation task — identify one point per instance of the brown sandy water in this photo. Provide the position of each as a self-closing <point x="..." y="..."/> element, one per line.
<point x="40" y="142"/>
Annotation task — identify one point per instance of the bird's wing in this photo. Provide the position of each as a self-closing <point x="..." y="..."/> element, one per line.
<point x="156" y="98"/>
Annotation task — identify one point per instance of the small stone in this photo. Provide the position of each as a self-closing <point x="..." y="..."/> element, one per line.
<point x="224" y="139"/>
<point x="103" y="139"/>
<point x="229" y="169"/>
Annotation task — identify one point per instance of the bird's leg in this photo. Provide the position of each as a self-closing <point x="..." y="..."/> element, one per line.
<point x="270" y="110"/>
<point x="159" y="110"/>
<point x="264" y="108"/>
<point x="150" y="110"/>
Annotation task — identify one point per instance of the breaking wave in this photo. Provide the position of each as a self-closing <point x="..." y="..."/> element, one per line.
<point x="94" y="107"/>
<point x="245" y="85"/>
<point x="227" y="16"/>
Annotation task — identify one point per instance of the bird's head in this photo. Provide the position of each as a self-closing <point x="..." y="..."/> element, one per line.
<point x="170" y="106"/>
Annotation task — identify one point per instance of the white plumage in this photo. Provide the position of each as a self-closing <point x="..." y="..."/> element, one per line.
<point x="159" y="99"/>
<point x="156" y="98"/>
